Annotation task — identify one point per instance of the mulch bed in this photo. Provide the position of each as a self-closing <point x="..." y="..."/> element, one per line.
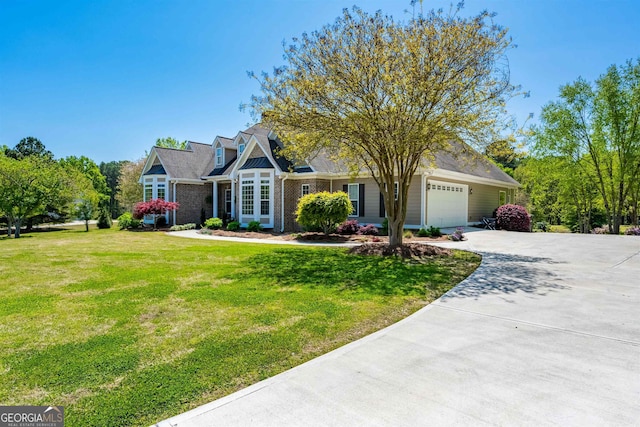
<point x="407" y="250"/>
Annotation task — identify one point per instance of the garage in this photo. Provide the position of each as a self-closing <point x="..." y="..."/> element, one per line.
<point x="447" y="204"/>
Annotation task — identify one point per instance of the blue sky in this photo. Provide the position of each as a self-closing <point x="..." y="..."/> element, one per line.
<point x="106" y="78"/>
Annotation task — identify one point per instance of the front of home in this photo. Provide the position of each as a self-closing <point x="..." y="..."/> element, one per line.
<point x="244" y="178"/>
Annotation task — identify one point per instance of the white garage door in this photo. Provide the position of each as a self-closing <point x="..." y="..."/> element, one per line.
<point x="447" y="204"/>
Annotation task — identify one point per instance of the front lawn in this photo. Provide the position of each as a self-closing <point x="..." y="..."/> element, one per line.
<point x="128" y="328"/>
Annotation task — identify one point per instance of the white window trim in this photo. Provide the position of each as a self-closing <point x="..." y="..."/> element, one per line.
<point x="254" y="176"/>
<point x="302" y="189"/>
<point x="220" y="156"/>
<point x="356" y="211"/>
<point x="241" y="148"/>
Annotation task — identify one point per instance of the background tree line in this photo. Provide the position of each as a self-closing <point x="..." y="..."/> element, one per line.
<point x="583" y="165"/>
<point x="35" y="188"/>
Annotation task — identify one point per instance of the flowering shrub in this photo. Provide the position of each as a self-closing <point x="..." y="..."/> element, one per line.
<point x="513" y="218"/>
<point x="632" y="231"/>
<point x="457" y="235"/>
<point x="155" y="208"/>
<point x="601" y="230"/>
<point x="348" y="227"/>
<point x="368" y="230"/>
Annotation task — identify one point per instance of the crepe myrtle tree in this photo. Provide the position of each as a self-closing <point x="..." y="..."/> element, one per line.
<point x="155" y="208"/>
<point x="383" y="96"/>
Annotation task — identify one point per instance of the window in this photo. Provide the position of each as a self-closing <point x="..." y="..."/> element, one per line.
<point x="148" y="192"/>
<point x="227" y="201"/>
<point x="247" y="197"/>
<point x="305" y="189"/>
<point x="354" y="196"/>
<point x="503" y="198"/>
<point x="219" y="156"/>
<point x="240" y="148"/>
<point x="161" y="191"/>
<point x="264" y="197"/>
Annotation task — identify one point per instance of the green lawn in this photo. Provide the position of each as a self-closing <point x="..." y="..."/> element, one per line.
<point x="128" y="328"/>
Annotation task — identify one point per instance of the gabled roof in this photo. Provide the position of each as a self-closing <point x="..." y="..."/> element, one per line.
<point x="190" y="163"/>
<point x="225" y="142"/>
<point x="223" y="170"/>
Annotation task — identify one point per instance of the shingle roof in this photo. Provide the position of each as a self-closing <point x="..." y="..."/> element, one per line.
<point x="226" y="142"/>
<point x="190" y="163"/>
<point x="474" y="164"/>
<point x="221" y="170"/>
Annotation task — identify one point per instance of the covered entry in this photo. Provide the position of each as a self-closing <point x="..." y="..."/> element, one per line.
<point x="447" y="204"/>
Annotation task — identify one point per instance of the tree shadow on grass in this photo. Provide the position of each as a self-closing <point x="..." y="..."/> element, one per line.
<point x="506" y="274"/>
<point x="331" y="268"/>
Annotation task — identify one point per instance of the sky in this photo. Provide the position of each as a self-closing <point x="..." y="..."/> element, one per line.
<point x="106" y="78"/>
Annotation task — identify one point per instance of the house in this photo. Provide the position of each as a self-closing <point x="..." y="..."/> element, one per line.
<point x="244" y="178"/>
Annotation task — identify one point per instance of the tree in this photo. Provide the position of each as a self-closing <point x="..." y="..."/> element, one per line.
<point x="323" y="210"/>
<point x="169" y="142"/>
<point x="597" y="128"/>
<point x="155" y="208"/>
<point x="385" y="96"/>
<point x="28" y="146"/>
<point x="28" y="186"/>
<point x="111" y="172"/>
<point x="129" y="186"/>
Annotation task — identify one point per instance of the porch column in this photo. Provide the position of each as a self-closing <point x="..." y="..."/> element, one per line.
<point x="422" y="201"/>
<point x="233" y="200"/>
<point x="215" y="199"/>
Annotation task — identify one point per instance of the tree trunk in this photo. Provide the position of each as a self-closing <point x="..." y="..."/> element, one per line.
<point x="86" y="225"/>
<point x="395" y="232"/>
<point x="17" y="223"/>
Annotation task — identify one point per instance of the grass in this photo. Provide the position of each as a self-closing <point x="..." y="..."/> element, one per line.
<point x="126" y="328"/>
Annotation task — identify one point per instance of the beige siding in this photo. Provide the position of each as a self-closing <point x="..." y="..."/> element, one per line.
<point x="256" y="152"/>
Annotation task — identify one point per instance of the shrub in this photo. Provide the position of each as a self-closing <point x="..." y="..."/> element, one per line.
<point x="407" y="234"/>
<point x="127" y="221"/>
<point x="423" y="233"/>
<point x="632" y="231"/>
<point x="323" y="209"/>
<point x="513" y="218"/>
<point x="233" y="226"/>
<point x="601" y="230"/>
<point x="104" y="218"/>
<point x="385" y="227"/>
<point x="348" y="227"/>
<point x="161" y="221"/>
<point x="434" y="231"/>
<point x="213" y="223"/>
<point x="254" y="226"/>
<point x="542" y="226"/>
<point x="156" y="208"/>
<point x="368" y="230"/>
<point x="457" y="235"/>
<point x="190" y="226"/>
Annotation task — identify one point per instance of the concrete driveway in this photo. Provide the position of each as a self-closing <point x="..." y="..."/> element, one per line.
<point x="545" y="332"/>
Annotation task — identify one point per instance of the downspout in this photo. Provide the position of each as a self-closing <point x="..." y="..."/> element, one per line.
<point x="284" y="178"/>
<point x="422" y="201"/>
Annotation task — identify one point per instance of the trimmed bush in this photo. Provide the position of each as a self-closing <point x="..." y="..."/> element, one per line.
<point x="423" y="233"/>
<point x="127" y="221"/>
<point x="233" y="226"/>
<point x="632" y="231"/>
<point x="368" y="230"/>
<point x="348" y="227"/>
<point x="254" y="226"/>
<point x="213" y="223"/>
<point x="407" y="234"/>
<point x="542" y="226"/>
<point x="325" y="210"/>
<point x="513" y="218"/>
<point x="190" y="226"/>
<point x="434" y="231"/>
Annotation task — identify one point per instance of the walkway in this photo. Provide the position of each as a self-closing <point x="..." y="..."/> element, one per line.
<point x="545" y="332"/>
